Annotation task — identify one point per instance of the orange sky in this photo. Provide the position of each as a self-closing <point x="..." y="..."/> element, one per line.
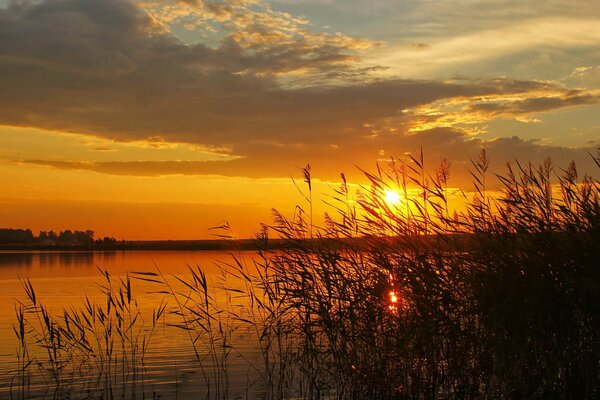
<point x="159" y="120"/>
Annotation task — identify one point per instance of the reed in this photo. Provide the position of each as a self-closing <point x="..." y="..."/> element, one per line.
<point x="90" y="352"/>
<point x="500" y="299"/>
<point x="497" y="300"/>
<point x="205" y="321"/>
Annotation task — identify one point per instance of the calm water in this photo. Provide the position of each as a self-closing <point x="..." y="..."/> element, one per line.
<point x="63" y="279"/>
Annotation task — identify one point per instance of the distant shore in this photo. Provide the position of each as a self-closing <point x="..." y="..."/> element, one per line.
<point x="125" y="245"/>
<point x="232" y="244"/>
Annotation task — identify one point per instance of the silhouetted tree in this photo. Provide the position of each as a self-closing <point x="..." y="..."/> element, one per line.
<point x="11" y="236"/>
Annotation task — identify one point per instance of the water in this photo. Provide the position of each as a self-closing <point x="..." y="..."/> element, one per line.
<point x="63" y="279"/>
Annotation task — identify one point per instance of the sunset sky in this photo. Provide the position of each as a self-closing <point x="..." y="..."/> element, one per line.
<point x="159" y="119"/>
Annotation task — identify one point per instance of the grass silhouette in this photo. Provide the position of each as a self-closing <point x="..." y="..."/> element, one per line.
<point x="391" y="301"/>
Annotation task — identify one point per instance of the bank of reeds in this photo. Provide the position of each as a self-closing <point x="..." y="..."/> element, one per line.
<point x="498" y="300"/>
<point x="414" y="300"/>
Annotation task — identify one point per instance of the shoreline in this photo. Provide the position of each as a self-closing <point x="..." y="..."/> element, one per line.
<point x="149" y="245"/>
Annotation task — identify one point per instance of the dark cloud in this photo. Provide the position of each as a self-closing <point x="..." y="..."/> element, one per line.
<point x="438" y="143"/>
<point x="103" y="67"/>
<point x="535" y="104"/>
<point x="420" y="45"/>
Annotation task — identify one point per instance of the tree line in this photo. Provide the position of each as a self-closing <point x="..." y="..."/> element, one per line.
<point x="50" y="238"/>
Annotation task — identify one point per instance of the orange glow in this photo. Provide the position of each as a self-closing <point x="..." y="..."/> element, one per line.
<point x="393" y="302"/>
<point x="393" y="297"/>
<point x="391" y="197"/>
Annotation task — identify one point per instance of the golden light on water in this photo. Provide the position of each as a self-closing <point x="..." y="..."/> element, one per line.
<point x="393" y="296"/>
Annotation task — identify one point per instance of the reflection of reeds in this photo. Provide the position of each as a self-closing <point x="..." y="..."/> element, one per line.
<point x="413" y="300"/>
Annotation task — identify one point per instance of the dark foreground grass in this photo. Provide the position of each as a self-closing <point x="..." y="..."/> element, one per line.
<point x="407" y="301"/>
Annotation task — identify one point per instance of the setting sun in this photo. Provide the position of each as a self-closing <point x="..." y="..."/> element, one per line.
<point x="391" y="197"/>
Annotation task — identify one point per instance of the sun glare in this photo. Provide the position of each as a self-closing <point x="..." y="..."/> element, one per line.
<point x="391" y="197"/>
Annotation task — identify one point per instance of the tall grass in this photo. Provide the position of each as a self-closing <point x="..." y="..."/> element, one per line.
<point x="96" y="351"/>
<point x="206" y="321"/>
<point x="498" y="299"/>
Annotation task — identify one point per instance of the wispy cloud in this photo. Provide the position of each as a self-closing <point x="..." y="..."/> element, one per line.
<point x="486" y="45"/>
<point x="19" y="143"/>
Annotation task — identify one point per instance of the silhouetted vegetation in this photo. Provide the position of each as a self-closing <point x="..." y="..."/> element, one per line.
<point x="14" y="238"/>
<point x="500" y="299"/>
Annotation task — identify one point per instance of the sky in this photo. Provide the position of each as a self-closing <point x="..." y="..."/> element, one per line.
<point x="161" y="119"/>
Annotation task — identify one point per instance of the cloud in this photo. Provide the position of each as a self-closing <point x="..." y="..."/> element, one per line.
<point x="17" y="143"/>
<point x="283" y="42"/>
<point x="583" y="77"/>
<point x="452" y="144"/>
<point x="523" y="105"/>
<point x="535" y="104"/>
<point x="523" y="37"/>
<point x="107" y="68"/>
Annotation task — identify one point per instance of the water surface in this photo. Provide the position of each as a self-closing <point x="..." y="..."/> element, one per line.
<point x="64" y="279"/>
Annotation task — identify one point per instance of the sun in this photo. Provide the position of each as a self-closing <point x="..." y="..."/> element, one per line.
<point x="391" y="197"/>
